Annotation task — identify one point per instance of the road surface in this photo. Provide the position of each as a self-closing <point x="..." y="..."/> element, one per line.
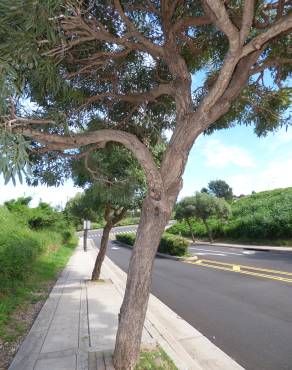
<point x="248" y="316"/>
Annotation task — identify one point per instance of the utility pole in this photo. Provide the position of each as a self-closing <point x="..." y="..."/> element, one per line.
<point x="86" y="227"/>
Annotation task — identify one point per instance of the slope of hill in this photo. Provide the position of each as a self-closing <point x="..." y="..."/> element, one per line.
<point x="260" y="217"/>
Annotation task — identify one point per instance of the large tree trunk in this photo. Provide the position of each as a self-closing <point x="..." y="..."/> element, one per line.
<point x="153" y="220"/>
<point x="191" y="229"/>
<point x="102" y="251"/>
<point x="209" y="231"/>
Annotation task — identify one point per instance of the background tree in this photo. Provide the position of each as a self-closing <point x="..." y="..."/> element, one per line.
<point x="206" y="206"/>
<point x="186" y="210"/>
<point x="115" y="184"/>
<point x="220" y="189"/>
<point x="77" y="210"/>
<point x="132" y="62"/>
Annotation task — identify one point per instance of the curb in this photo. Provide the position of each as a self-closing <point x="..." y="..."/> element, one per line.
<point x="162" y="255"/>
<point x="186" y="346"/>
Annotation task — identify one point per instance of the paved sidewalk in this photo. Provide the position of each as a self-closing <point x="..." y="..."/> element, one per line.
<point x="76" y="328"/>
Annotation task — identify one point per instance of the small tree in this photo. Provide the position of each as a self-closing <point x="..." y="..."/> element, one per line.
<point x="220" y="189"/>
<point x="186" y="210"/>
<point x="115" y="184"/>
<point x="206" y="206"/>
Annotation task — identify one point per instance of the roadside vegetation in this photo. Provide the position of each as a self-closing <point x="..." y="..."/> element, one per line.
<point x="259" y="218"/>
<point x="169" y="244"/>
<point x="155" y="360"/>
<point x="35" y="244"/>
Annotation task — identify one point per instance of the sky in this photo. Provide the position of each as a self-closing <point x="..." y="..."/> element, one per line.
<point x="247" y="163"/>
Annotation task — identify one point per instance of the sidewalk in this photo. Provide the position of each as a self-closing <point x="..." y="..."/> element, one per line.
<point x="76" y="328"/>
<point x="264" y="248"/>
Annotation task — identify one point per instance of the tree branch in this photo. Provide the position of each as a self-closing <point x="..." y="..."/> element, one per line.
<point x="148" y="45"/>
<point x="281" y="26"/>
<point x="162" y="89"/>
<point x="100" y="138"/>
<point x="215" y="9"/>
<point x="247" y="20"/>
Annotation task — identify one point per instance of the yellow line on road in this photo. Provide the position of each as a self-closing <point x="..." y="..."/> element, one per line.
<point x="249" y="267"/>
<point x="240" y="269"/>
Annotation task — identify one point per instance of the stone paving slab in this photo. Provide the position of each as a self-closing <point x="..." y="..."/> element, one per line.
<point x="76" y="328"/>
<point x="79" y="318"/>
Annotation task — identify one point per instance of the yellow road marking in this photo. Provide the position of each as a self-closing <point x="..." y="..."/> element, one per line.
<point x="249" y="267"/>
<point x="241" y="269"/>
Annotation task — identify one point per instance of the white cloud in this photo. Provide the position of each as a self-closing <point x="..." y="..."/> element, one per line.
<point x="277" y="174"/>
<point x="220" y="155"/>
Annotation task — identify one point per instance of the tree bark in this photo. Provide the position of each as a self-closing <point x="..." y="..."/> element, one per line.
<point x="209" y="231"/>
<point x="111" y="220"/>
<point x="191" y="229"/>
<point x="154" y="217"/>
<point x="102" y="251"/>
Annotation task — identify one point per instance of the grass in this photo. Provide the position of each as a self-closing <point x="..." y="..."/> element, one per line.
<point x="22" y="295"/>
<point x="155" y="360"/>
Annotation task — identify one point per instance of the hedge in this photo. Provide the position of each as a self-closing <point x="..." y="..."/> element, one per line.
<point x="169" y="244"/>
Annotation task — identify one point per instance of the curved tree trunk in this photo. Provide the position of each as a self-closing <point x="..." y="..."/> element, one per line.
<point x="102" y="251"/>
<point x="132" y="314"/>
<point x="209" y="231"/>
<point x="111" y="220"/>
<point x="191" y="229"/>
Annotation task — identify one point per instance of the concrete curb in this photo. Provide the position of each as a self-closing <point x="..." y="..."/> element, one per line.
<point x="187" y="347"/>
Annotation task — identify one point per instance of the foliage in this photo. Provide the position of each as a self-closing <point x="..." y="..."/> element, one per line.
<point x="261" y="216"/>
<point x="113" y="179"/>
<point x="21" y="294"/>
<point x="82" y="84"/>
<point x="169" y="244"/>
<point x="14" y="155"/>
<point x="25" y="234"/>
<point x="186" y="209"/>
<point x="202" y="206"/>
<point x="155" y="360"/>
<point x="220" y="189"/>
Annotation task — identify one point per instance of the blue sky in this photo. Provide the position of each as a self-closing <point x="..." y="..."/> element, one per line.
<point x="235" y="155"/>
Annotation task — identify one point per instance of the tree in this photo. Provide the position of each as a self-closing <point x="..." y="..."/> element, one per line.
<point x="220" y="189"/>
<point x="132" y="62"/>
<point x="186" y="210"/>
<point x="116" y="184"/>
<point x="206" y="206"/>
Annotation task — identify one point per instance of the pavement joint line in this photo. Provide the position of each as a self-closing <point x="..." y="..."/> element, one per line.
<point x="57" y="305"/>
<point x="277" y="278"/>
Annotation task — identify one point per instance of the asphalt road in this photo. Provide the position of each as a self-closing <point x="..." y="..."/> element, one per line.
<point x="248" y="316"/>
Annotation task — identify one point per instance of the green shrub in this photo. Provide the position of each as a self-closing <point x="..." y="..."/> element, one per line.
<point x="25" y="235"/>
<point x="169" y="244"/>
<point x="173" y="245"/>
<point x="126" y="238"/>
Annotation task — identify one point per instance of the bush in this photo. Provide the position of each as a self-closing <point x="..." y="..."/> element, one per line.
<point x="173" y="245"/>
<point x="169" y="244"/>
<point x="126" y="238"/>
<point x="25" y="235"/>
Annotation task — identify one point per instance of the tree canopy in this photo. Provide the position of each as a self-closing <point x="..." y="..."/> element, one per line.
<point x="125" y="65"/>
<point x="220" y="189"/>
